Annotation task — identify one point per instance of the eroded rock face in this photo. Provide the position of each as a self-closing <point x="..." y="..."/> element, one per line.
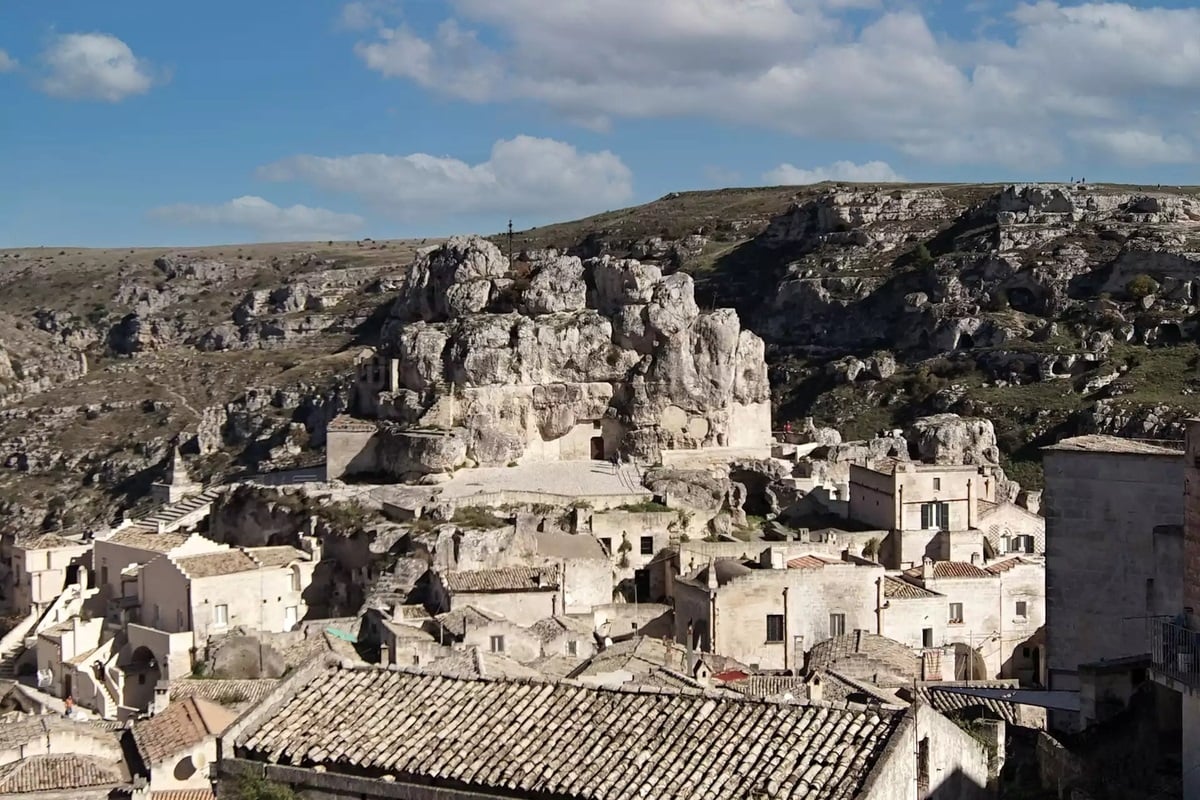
<point x="951" y="439"/>
<point x="531" y="355"/>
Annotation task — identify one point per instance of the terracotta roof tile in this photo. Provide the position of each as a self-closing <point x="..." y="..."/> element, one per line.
<point x="951" y="569"/>
<point x="504" y="579"/>
<point x="225" y="692"/>
<point x="1004" y="566"/>
<point x="50" y="772"/>
<point x="279" y="556"/>
<point x="183" y="725"/>
<point x="184" y="794"/>
<point x="550" y="628"/>
<point x="895" y="588"/>
<point x="146" y="540"/>
<point x="1096" y="443"/>
<point x="210" y="565"/>
<point x="534" y="738"/>
<point x="47" y="541"/>
<point x="809" y="562"/>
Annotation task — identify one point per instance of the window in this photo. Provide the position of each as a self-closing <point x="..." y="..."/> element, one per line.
<point x="1026" y="544"/>
<point x="935" y="516"/>
<point x="774" y="627"/>
<point x="221" y="615"/>
<point x="927" y="637"/>
<point x="295" y="579"/>
<point x="647" y="545"/>
<point x="607" y="545"/>
<point x="956" y="613"/>
<point x="1021" y="608"/>
<point x="179" y="620"/>
<point x="416" y="660"/>
<point x="923" y="767"/>
<point x="837" y="625"/>
<point x="572" y="648"/>
<point x="1006" y="545"/>
<point x="497" y="644"/>
<point x="937" y="484"/>
<point x="104" y="574"/>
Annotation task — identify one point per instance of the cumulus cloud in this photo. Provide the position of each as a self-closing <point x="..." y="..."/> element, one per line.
<point x="523" y="175"/>
<point x="265" y="219"/>
<point x="94" y="66"/>
<point x="1132" y="146"/>
<point x="868" y="172"/>
<point x="7" y="62"/>
<point x="846" y="69"/>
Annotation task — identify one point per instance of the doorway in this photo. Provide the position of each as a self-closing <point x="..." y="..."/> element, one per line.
<point x="597" y="448"/>
<point x="290" y="617"/>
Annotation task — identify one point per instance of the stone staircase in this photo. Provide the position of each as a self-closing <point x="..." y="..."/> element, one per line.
<point x="12" y="646"/>
<point x="189" y="510"/>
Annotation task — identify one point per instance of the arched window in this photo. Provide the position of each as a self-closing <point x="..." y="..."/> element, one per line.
<point x="296" y="587"/>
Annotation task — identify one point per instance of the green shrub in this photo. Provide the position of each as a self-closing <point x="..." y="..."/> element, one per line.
<point x="477" y="517"/>
<point x="1140" y="286"/>
<point x="921" y="255"/>
<point x="645" y="506"/>
<point x="254" y="787"/>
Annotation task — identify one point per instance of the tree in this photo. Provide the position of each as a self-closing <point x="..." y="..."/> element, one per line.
<point x="256" y="787"/>
<point x="871" y="549"/>
<point x="1140" y="286"/>
<point x="921" y="255"/>
<point x="624" y="550"/>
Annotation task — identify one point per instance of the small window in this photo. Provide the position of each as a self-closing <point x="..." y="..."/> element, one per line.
<point x="1021" y="608"/>
<point x="572" y="648"/>
<point x="104" y="575"/>
<point x="774" y="627"/>
<point x="295" y="579"/>
<point x="956" y="614"/>
<point x="497" y="644"/>
<point x="927" y="637"/>
<point x="837" y="625"/>
<point x="221" y="615"/>
<point x="937" y="484"/>
<point x="179" y="620"/>
<point x="647" y="545"/>
<point x="416" y="660"/>
<point x="607" y="545"/>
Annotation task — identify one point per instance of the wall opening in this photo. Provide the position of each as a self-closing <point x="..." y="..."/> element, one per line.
<point x="597" y="448"/>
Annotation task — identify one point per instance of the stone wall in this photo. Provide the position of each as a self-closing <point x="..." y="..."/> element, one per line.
<point x="1101" y="512"/>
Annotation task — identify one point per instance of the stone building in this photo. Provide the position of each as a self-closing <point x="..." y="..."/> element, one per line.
<point x="555" y="360"/>
<point x="534" y="739"/>
<point x="1113" y="511"/>
<point x="522" y="595"/>
<point x="41" y="568"/>
<point x="259" y="588"/>
<point x="178" y="744"/>
<point x="54" y="757"/>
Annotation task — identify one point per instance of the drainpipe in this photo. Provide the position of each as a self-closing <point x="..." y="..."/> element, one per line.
<point x="712" y="622"/>
<point x="879" y="605"/>
<point x="785" y="628"/>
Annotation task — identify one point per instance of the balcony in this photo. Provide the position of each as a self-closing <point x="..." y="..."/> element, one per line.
<point x="1175" y="654"/>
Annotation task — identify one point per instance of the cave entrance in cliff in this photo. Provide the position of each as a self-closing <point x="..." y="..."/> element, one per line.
<point x="597" y="448"/>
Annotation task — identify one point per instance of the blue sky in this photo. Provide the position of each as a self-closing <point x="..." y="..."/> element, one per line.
<point x="152" y="123"/>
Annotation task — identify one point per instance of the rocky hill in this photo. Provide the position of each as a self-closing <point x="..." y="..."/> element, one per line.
<point x="1051" y="310"/>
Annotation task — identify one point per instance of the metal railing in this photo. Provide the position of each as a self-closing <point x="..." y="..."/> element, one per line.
<point x="1175" y="652"/>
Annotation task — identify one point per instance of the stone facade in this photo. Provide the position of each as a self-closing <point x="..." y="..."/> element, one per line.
<point x="1104" y="499"/>
<point x="42" y="568"/>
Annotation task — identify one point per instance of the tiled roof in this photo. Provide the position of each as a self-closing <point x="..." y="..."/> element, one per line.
<point x="279" y="556"/>
<point x="147" y="540"/>
<point x="1095" y="443"/>
<point x="866" y="656"/>
<point x="949" y="702"/>
<point x="51" y="772"/>
<point x="181" y="726"/>
<point x="895" y="588"/>
<point x="345" y="423"/>
<point x="471" y="662"/>
<point x="771" y="686"/>
<point x="184" y="794"/>
<point x="1005" y="565"/>
<point x="504" y="579"/>
<point x="809" y="562"/>
<point x="226" y="692"/>
<point x="47" y="541"/>
<point x="550" y="628"/>
<point x="568" y="545"/>
<point x="19" y="733"/>
<point x="951" y="569"/>
<point x="457" y="622"/>
<point x="538" y="739"/>
<point x="210" y="565"/>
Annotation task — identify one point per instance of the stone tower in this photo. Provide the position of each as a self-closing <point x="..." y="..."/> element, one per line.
<point x="177" y="483"/>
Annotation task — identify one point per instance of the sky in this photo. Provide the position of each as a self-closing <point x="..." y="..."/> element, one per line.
<point x="142" y="122"/>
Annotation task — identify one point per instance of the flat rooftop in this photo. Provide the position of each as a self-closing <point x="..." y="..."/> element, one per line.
<point x="1095" y="443"/>
<point x="568" y="478"/>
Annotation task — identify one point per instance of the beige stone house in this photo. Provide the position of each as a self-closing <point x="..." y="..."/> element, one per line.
<point x="768" y="611"/>
<point x="394" y="724"/>
<point x="178" y="745"/>
<point x="42" y="567"/>
<point x="523" y="595"/>
<point x="210" y="593"/>
<point x="119" y="557"/>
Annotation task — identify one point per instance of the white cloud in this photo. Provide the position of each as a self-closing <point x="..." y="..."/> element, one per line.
<point x="1016" y="95"/>
<point x="94" y="66"/>
<point x="266" y="220"/>
<point x="523" y="175"/>
<point x="867" y="172"/>
<point x="366" y="14"/>
<point x="1133" y="146"/>
<point x="7" y="62"/>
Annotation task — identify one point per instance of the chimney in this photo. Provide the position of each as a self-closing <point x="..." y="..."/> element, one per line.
<point x="162" y="697"/>
<point x="712" y="572"/>
<point x="975" y="558"/>
<point x="385" y="654"/>
<point x="311" y="543"/>
<point x="926" y="568"/>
